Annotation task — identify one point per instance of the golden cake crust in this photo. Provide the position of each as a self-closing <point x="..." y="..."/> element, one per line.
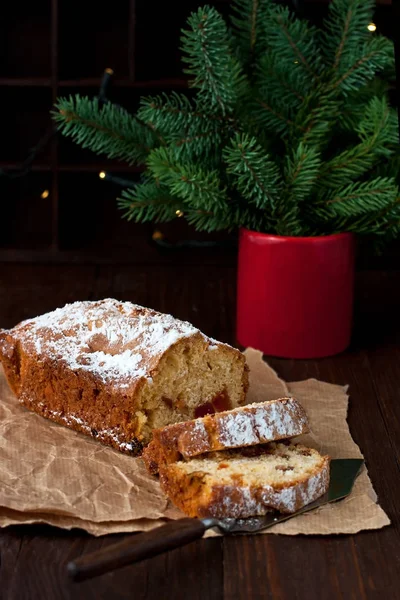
<point x="87" y="364"/>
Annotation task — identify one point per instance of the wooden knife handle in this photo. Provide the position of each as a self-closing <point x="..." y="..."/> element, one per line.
<point x="137" y="548"/>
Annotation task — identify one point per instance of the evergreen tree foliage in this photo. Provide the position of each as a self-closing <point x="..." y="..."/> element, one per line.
<point x="288" y="128"/>
<point x="105" y="129"/>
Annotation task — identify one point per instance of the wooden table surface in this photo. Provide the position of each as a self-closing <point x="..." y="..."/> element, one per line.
<point x="362" y="566"/>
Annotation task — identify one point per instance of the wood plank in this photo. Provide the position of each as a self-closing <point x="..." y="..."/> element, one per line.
<point x="146" y="255"/>
<point x="26" y="291"/>
<point x="34" y="568"/>
<point x="198" y="294"/>
<point x="25" y="82"/>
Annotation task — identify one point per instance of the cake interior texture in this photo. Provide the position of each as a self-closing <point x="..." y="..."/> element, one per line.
<point x="116" y="370"/>
<point x="247" y="482"/>
<point x="240" y="427"/>
<point x="278" y="465"/>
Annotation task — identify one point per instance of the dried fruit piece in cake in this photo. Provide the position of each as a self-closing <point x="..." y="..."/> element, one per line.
<point x="245" y="426"/>
<point x="116" y="371"/>
<point x="247" y="482"/>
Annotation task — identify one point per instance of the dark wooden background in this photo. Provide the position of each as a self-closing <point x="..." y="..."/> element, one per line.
<point x="52" y="48"/>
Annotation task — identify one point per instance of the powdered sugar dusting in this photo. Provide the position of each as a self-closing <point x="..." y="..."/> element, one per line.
<point x="239" y="502"/>
<point x="195" y="440"/>
<point x="279" y="419"/>
<point x="260" y="423"/>
<point x="113" y="340"/>
<point x="236" y="429"/>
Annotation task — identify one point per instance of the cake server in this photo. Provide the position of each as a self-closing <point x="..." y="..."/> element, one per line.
<point x="343" y="473"/>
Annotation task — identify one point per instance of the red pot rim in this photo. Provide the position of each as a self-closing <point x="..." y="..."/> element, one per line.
<point x="308" y="239"/>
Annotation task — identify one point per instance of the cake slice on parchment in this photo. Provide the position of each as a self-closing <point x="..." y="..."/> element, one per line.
<point x="247" y="482"/>
<point x="245" y="426"/>
<point x="115" y="370"/>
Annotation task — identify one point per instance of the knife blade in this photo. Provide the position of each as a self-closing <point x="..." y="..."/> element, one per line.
<point x="343" y="473"/>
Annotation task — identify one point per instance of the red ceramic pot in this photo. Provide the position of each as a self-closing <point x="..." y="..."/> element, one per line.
<point x="295" y="294"/>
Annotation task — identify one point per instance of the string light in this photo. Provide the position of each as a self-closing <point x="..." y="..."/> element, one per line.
<point x="296" y="62"/>
<point x="179" y="213"/>
<point x="371" y="27"/>
<point x="157" y="235"/>
<point x="102" y="174"/>
<point x="45" y="194"/>
<point x="109" y="71"/>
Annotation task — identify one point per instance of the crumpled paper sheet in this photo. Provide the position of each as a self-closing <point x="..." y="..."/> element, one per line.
<point x="50" y="474"/>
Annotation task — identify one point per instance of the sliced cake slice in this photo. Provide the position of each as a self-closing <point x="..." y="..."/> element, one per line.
<point x="245" y="426"/>
<point x="247" y="482"/>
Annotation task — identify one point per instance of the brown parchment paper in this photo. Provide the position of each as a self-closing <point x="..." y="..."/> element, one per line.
<point x="50" y="474"/>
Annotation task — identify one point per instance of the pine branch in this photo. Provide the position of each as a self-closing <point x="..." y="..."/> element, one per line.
<point x="353" y="105"/>
<point x="271" y="115"/>
<point x="289" y="85"/>
<point x="300" y="174"/>
<point x="249" y="33"/>
<point x="199" y="188"/>
<point x="377" y="130"/>
<point x="278" y="96"/>
<point x="315" y="118"/>
<point x="104" y="129"/>
<point x="217" y="74"/>
<point x="170" y="113"/>
<point x="253" y="172"/>
<point x="345" y="30"/>
<point x="293" y="40"/>
<point x="186" y="127"/>
<point x="209" y="221"/>
<point x="149" y="201"/>
<point x="383" y="224"/>
<point x="375" y="55"/>
<point x="360" y="198"/>
<point x="379" y="125"/>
